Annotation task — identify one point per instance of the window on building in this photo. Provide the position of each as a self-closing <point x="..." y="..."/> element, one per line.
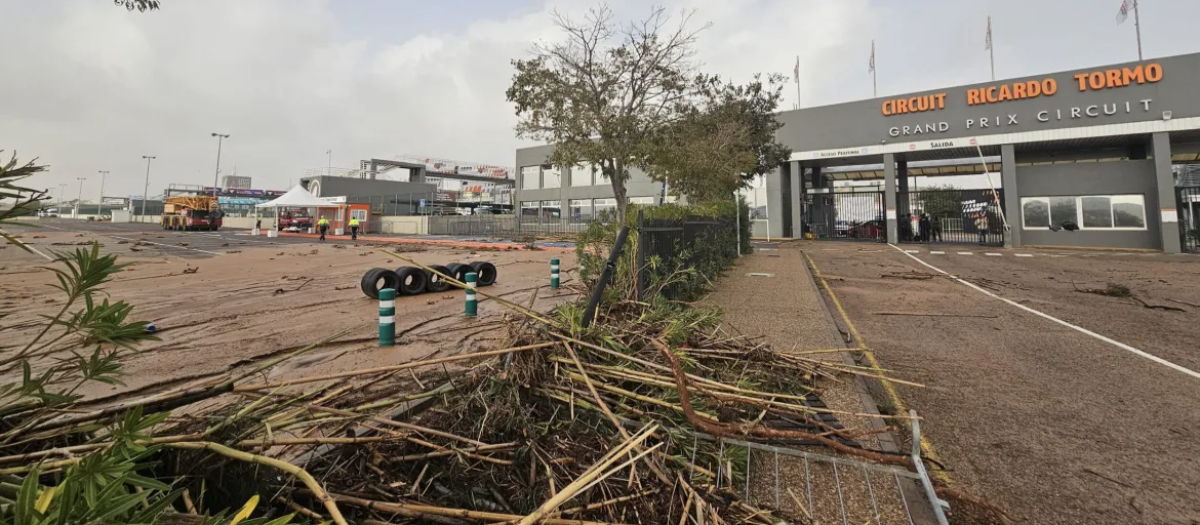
<point x="1092" y="212"/>
<point x="605" y="209"/>
<point x="531" y="177"/>
<point x="551" y="177"/>
<point x="581" y="210"/>
<point x="644" y="201"/>
<point x="581" y="175"/>
<point x="551" y="209"/>
<point x="601" y="179"/>
<point x="530" y="208"/>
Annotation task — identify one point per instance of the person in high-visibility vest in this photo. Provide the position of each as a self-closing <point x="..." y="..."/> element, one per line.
<point x="323" y="225"/>
<point x="354" y="228"/>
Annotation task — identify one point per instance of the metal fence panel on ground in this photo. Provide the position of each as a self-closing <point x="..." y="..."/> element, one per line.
<point x="951" y="216"/>
<point x="1188" y="208"/>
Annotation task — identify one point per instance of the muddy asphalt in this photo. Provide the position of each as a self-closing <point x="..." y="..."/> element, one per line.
<point x="1055" y="426"/>
<point x="251" y="299"/>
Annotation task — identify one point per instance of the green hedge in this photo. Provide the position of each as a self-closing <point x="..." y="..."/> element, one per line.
<point x="688" y="270"/>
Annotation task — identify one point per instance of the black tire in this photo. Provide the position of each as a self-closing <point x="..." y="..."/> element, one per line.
<point x="377" y="279"/>
<point x="436" y="283"/>
<point x="412" y="281"/>
<point x="485" y="273"/>
<point x="458" y="271"/>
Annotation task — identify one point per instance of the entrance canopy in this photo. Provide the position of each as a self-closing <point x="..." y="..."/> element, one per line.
<point x="297" y="197"/>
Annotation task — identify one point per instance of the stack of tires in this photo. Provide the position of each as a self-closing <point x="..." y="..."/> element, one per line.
<point x="409" y="280"/>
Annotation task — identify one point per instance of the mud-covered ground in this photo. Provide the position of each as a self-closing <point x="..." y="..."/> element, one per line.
<point x="1056" y="425"/>
<point x="253" y="298"/>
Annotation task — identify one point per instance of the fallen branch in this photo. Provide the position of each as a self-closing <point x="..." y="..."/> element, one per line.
<point x="298" y="472"/>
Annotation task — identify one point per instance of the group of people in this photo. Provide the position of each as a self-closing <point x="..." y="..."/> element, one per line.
<point x="323" y="227"/>
<point x="920" y="228"/>
<point x="923" y="228"/>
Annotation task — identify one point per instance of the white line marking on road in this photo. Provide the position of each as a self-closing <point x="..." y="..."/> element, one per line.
<point x="1049" y="317"/>
<point x="937" y="253"/>
<point x="1024" y="255"/>
<point x="994" y="254"/>
<point x="912" y="251"/>
<point x="167" y="245"/>
<point x="965" y="253"/>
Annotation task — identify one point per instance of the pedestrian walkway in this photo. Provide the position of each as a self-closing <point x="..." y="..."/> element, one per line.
<point x="771" y="294"/>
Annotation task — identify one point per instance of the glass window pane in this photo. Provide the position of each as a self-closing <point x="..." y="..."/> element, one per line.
<point x="581" y="175"/>
<point x="643" y="201"/>
<point x="581" y="210"/>
<point x="551" y="177"/>
<point x="605" y="208"/>
<point x="530" y="176"/>
<point x="1097" y="212"/>
<point x="1129" y="211"/>
<point x="602" y="180"/>
<point x="1063" y="209"/>
<point x="529" y="208"/>
<point x="1036" y="213"/>
<point x="551" y="209"/>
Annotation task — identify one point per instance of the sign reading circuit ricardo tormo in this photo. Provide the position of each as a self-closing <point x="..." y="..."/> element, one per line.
<point x="1046" y="89"/>
<point x="1153" y="90"/>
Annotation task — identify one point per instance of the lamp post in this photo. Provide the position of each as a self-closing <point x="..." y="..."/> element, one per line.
<point x="220" y="138"/>
<point x="79" y="197"/>
<point x="61" y="186"/>
<point x="100" y="203"/>
<point x="146" y="188"/>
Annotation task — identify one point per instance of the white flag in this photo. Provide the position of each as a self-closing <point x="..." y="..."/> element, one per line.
<point x="1123" y="13"/>
<point x="989" y="35"/>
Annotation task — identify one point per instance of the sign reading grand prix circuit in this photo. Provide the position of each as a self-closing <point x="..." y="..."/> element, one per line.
<point x="1108" y="79"/>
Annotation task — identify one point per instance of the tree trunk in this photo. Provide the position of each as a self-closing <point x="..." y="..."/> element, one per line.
<point x="618" y="185"/>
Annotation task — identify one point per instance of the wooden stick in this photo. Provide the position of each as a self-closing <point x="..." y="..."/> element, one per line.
<point x="415" y="364"/>
<point x="916" y="314"/>
<point x="662" y="476"/>
<point x="298" y="472"/>
<point x="594" y="474"/>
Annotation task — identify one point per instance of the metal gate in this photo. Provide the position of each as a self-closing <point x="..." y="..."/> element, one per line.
<point x="951" y="216"/>
<point x="1187" y="201"/>
<point x="848" y="216"/>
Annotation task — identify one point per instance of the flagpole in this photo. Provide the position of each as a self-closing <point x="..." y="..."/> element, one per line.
<point x="992" y="48"/>
<point x="1137" y="24"/>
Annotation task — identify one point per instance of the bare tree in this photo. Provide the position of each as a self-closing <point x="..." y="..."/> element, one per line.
<point x="600" y="95"/>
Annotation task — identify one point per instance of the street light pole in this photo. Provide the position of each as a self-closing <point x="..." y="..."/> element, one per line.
<point x="99" y="209"/>
<point x="146" y="188"/>
<point x="80" y="196"/>
<point x="220" y="137"/>
<point x="61" y="186"/>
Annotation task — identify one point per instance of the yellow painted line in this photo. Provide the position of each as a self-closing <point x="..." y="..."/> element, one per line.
<point x="926" y="446"/>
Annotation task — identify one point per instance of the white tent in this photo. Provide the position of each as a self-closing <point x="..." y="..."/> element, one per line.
<point x="297" y="197"/>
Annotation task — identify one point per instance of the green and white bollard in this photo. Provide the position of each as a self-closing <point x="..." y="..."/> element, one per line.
<point x="387" y="317"/>
<point x="554" y="274"/>
<point x="472" y="304"/>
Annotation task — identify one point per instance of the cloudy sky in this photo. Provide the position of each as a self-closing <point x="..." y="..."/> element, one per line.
<point x="88" y="86"/>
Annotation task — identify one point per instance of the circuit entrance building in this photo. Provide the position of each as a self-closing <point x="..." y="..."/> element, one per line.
<point x="1079" y="158"/>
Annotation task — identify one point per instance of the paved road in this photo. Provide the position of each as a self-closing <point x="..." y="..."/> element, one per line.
<point x="155" y="240"/>
<point x="1056" y="425"/>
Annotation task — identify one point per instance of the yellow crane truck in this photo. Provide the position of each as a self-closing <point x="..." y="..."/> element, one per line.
<point x="192" y="212"/>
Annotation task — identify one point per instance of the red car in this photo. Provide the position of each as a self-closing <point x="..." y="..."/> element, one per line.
<point x="875" y="229"/>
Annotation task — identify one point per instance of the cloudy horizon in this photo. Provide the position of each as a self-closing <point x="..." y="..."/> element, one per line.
<point x="89" y="86"/>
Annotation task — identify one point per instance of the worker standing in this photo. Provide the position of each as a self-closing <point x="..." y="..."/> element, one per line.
<point x="354" y="228"/>
<point x="323" y="225"/>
